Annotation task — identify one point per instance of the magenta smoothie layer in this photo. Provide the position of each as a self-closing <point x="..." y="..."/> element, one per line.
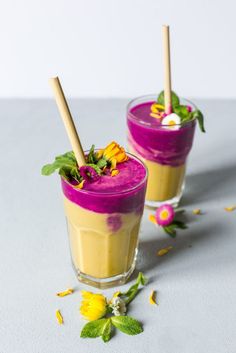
<point x="155" y="142"/>
<point x="122" y="193"/>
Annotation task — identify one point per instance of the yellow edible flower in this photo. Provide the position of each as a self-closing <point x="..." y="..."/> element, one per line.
<point x="59" y="317"/>
<point x="93" y="306"/>
<point x="65" y="292"/>
<point x="164" y="251"/>
<point x="230" y="208"/>
<point x="152" y="298"/>
<point x="113" y="153"/>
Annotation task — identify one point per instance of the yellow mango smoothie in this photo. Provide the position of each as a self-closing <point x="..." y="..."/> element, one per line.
<point x="104" y="201"/>
<point x="163" y="143"/>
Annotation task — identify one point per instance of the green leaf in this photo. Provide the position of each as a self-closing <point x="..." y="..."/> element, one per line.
<point x="133" y="290"/>
<point x="170" y="231"/>
<point x="179" y="224"/>
<point x="174" y="99"/>
<point x="91" y="156"/>
<point x="197" y="114"/>
<point x="102" y="163"/>
<point x="127" y="324"/>
<point x="95" y="167"/>
<point x="95" y="329"/>
<point x="106" y="331"/>
<point x="66" y="165"/>
<point x="182" y="112"/>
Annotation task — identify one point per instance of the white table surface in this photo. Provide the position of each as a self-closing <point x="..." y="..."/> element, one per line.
<point x="195" y="283"/>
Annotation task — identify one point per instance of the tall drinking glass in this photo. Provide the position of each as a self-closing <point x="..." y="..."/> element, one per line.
<point x="164" y="150"/>
<point x="103" y="225"/>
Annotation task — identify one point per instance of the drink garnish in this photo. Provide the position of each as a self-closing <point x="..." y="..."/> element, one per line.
<point x="185" y="113"/>
<point x="101" y="162"/>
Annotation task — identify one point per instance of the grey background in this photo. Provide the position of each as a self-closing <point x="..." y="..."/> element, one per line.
<point x="195" y="283"/>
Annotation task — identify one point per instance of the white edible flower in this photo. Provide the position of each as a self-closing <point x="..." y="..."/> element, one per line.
<point x="118" y="306"/>
<point x="172" y="121"/>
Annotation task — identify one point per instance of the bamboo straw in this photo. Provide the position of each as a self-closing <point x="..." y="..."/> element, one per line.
<point x="167" y="69"/>
<point x="68" y="120"/>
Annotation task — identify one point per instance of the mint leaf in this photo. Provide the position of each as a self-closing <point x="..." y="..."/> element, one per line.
<point x="182" y="112"/>
<point x="95" y="167"/>
<point x="106" y="331"/>
<point x="127" y="324"/>
<point x="102" y="163"/>
<point x="91" y="156"/>
<point x="133" y="290"/>
<point x="66" y="165"/>
<point x="197" y="114"/>
<point x="174" y="99"/>
<point x="95" y="329"/>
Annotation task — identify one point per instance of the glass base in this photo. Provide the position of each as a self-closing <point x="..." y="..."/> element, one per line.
<point x="103" y="283"/>
<point x="174" y="201"/>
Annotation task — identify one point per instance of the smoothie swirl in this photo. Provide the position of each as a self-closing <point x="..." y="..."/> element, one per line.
<point x="123" y="193"/>
<point x="155" y="142"/>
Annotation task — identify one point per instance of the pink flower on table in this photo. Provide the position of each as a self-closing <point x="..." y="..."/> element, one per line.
<point x="165" y="215"/>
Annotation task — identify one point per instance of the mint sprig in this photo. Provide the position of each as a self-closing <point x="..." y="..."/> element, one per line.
<point x="66" y="165"/>
<point x="103" y="327"/>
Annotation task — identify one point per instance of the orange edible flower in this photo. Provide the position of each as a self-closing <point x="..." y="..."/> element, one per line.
<point x="113" y="153"/>
<point x="80" y="185"/>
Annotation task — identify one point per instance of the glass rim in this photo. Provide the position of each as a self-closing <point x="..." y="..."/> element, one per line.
<point x="92" y="192"/>
<point x="149" y="124"/>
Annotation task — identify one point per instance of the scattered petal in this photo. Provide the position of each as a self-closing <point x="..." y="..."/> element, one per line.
<point x="114" y="172"/>
<point x="197" y="211"/>
<point x="164" y="251"/>
<point x="59" y="317"/>
<point x="80" y="185"/>
<point x="155" y="115"/>
<point x="230" y="208"/>
<point x="116" y="294"/>
<point x="152" y="218"/>
<point x="66" y="292"/>
<point x="152" y="298"/>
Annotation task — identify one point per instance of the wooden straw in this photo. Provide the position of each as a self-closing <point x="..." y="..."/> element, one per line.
<point x="167" y="69"/>
<point x="68" y="120"/>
